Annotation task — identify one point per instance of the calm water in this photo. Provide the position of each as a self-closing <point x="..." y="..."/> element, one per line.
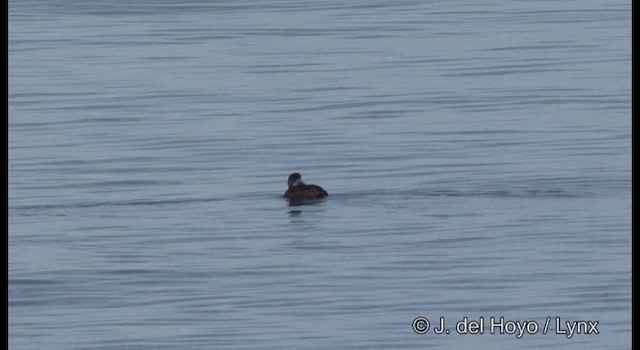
<point x="477" y="156"/>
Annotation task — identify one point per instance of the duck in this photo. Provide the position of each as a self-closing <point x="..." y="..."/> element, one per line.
<point x="299" y="192"/>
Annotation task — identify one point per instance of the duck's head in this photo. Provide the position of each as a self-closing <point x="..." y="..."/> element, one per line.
<point x="295" y="179"/>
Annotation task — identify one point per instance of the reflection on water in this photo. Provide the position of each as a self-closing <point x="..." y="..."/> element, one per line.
<point x="294" y="213"/>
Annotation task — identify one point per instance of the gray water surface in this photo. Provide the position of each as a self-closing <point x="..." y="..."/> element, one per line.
<point x="477" y="156"/>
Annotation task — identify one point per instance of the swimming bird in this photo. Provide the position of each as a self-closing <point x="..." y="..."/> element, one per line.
<point x="299" y="192"/>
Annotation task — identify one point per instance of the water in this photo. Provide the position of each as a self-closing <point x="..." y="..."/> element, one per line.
<point x="477" y="156"/>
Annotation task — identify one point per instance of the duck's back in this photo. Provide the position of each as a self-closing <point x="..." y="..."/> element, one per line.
<point x="305" y="193"/>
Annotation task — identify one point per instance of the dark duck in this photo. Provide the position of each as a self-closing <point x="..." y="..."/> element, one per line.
<point x="299" y="192"/>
